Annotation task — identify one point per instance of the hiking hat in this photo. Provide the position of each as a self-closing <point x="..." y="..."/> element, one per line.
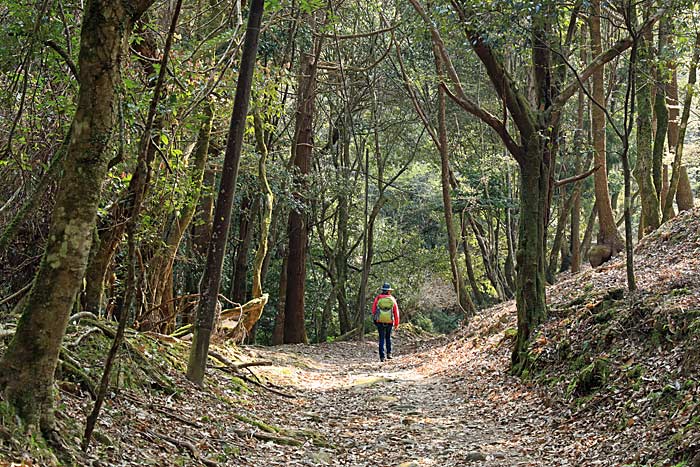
<point x="386" y="287"/>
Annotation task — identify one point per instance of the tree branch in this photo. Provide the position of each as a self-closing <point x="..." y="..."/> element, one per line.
<point x="616" y="49"/>
<point x="66" y="57"/>
<point x="576" y="178"/>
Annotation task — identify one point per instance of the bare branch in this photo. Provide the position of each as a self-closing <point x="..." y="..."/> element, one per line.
<point x="576" y="178"/>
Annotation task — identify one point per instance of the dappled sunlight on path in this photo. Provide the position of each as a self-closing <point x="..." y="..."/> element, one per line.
<point x="403" y="412"/>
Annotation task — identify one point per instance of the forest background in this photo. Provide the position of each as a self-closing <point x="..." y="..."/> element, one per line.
<point x="467" y="152"/>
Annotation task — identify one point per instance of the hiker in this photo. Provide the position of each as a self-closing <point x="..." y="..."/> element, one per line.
<point x="385" y="314"/>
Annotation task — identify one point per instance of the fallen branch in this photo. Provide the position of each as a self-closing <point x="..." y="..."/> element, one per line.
<point x="84" y="336"/>
<point x="76" y="318"/>
<point x="238" y="366"/>
<point x="264" y="436"/>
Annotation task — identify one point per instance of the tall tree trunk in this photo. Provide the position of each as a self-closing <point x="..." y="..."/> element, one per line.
<point x="682" y="128"/>
<point x="530" y="290"/>
<point x="297" y="229"/>
<point x="660" y="109"/>
<point x="211" y="279"/>
<point x="643" y="169"/>
<point x="607" y="233"/>
<point x="27" y="367"/>
<point x="579" y="140"/>
<point x="463" y="298"/>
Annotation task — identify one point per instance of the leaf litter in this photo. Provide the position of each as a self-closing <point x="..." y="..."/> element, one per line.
<point x="613" y="381"/>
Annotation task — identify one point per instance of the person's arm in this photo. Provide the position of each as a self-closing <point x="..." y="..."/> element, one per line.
<point x="396" y="314"/>
<point x="374" y="308"/>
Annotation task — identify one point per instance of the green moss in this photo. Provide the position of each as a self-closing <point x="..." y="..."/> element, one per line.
<point x="257" y="423"/>
<point x="590" y="378"/>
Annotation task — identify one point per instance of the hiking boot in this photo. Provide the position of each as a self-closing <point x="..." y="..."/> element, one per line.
<point x="389" y="357"/>
<point x="381" y="359"/>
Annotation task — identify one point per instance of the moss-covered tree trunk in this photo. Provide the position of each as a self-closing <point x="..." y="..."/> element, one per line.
<point x="531" y="254"/>
<point x="650" y="219"/>
<point x="27" y="368"/>
<point x="682" y="128"/>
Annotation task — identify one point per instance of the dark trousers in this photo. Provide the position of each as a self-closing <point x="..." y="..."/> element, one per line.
<point x="384" y="337"/>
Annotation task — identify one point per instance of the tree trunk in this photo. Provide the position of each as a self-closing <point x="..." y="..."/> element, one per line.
<point x="297" y="230"/>
<point x="211" y="279"/>
<point x="660" y="110"/>
<point x="478" y="296"/>
<point x="463" y="298"/>
<point x="531" y="282"/>
<point x="684" y="193"/>
<point x="644" y="165"/>
<point x="160" y="270"/>
<point x="27" y="367"/>
<point x="607" y="233"/>
<point x="682" y="128"/>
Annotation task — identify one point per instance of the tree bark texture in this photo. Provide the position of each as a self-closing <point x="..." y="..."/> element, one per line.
<point x="650" y="220"/>
<point x="682" y="128"/>
<point x="607" y="229"/>
<point x="211" y="279"/>
<point x="27" y="367"/>
<point x="297" y="229"/>
<point x="464" y="299"/>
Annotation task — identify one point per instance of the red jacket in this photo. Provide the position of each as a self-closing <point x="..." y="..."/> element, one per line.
<point x="395" y="310"/>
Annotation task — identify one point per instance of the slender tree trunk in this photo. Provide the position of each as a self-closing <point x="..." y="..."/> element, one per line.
<point x="660" y="110"/>
<point x="682" y="128"/>
<point x="27" y="367"/>
<point x="297" y="230"/>
<point x="607" y="233"/>
<point x="478" y="296"/>
<point x="463" y="297"/>
<point x="211" y="280"/>
<point x="160" y="270"/>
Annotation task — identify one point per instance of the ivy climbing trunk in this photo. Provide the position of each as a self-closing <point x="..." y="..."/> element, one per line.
<point x="27" y="367"/>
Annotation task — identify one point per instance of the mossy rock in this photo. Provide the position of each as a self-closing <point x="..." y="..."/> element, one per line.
<point x="590" y="378"/>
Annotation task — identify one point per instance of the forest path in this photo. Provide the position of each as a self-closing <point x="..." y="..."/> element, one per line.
<point x="412" y="411"/>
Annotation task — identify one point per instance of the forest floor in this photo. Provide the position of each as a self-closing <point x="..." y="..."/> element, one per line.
<point x="614" y="381"/>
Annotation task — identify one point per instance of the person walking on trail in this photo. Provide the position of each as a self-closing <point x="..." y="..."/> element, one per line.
<point x="385" y="314"/>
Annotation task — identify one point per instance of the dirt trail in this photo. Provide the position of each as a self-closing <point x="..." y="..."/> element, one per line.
<point x="411" y="411"/>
